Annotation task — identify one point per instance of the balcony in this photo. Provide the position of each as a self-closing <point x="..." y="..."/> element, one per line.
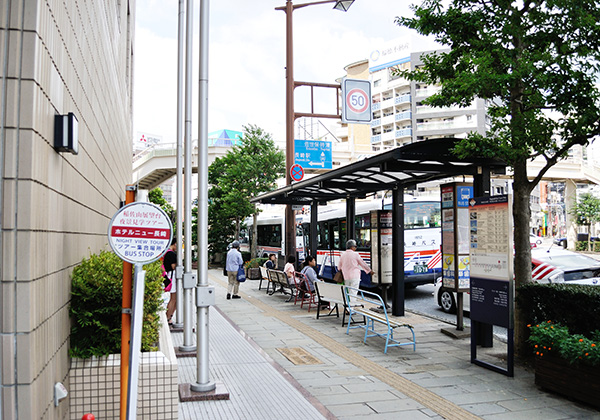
<point x="376" y="106"/>
<point x="375" y="122"/>
<point x="427" y="91"/>
<point x="445" y="125"/>
<point x="387" y="136"/>
<point x="405" y="132"/>
<point x="387" y="103"/>
<point x="406" y="115"/>
<point x="423" y="109"/>
<point x="389" y="119"/>
<point x="376" y="139"/>
<point x="402" y="99"/>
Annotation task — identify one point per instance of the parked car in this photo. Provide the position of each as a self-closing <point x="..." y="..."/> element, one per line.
<point x="534" y="240"/>
<point x="562" y="241"/>
<point x="577" y="268"/>
<point x="553" y="265"/>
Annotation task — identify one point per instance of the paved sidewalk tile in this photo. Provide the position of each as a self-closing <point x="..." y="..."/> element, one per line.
<point x="353" y="380"/>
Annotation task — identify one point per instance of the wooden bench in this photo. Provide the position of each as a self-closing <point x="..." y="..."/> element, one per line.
<point x="362" y="305"/>
<point x="280" y="282"/>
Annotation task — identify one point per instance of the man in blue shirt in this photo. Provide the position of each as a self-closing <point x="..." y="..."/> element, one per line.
<point x="232" y="264"/>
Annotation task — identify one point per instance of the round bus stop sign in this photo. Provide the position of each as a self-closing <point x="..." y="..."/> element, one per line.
<point x="140" y="233"/>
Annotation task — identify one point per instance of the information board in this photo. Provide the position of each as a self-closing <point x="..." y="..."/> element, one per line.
<point x="491" y="260"/>
<point x="455" y="236"/>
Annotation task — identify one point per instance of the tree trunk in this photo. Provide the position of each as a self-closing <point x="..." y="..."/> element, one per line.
<point x="254" y="241"/>
<point x="237" y="229"/>
<point x="522" y="268"/>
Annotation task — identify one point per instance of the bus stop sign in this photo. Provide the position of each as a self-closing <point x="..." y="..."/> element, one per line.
<point x="140" y="233"/>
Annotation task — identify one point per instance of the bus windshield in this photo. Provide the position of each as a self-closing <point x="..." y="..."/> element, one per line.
<point x="420" y="215"/>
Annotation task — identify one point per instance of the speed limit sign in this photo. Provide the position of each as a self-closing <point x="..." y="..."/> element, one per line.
<point x="357" y="100"/>
<point x="356" y="106"/>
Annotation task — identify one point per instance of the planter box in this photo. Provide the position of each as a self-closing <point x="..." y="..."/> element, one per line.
<point x="94" y="384"/>
<point x="253" y="274"/>
<point x="579" y="382"/>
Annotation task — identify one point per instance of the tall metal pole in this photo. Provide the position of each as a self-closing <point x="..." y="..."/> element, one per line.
<point x="204" y="383"/>
<point x="290" y="231"/>
<point x="188" y="283"/>
<point x="179" y="228"/>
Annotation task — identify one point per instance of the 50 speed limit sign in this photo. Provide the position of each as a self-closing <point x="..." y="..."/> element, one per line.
<point x="357" y="100"/>
<point x="356" y="106"/>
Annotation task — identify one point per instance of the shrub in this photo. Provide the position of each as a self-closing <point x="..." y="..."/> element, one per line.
<point x="96" y="299"/>
<point x="550" y="338"/>
<point x="255" y="263"/>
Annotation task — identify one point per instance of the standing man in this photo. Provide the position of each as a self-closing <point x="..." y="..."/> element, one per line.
<point x="232" y="264"/>
<point x="350" y="264"/>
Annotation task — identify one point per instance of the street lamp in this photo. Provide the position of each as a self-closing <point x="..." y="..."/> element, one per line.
<point x="344" y="5"/>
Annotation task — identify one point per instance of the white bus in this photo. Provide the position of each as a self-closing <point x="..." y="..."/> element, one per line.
<point x="422" y="237"/>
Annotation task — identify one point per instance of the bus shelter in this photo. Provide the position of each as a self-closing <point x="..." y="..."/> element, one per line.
<point x="395" y="170"/>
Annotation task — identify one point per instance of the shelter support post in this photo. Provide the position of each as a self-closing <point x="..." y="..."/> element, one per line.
<point x="398" y="251"/>
<point x="314" y="216"/>
<point x="350" y="216"/>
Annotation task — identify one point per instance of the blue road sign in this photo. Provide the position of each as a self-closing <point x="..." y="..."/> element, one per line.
<point x="313" y="154"/>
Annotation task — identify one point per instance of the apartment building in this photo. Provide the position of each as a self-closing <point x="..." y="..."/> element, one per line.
<point x="399" y="114"/>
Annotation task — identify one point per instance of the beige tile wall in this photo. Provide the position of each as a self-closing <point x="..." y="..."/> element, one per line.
<point x="55" y="57"/>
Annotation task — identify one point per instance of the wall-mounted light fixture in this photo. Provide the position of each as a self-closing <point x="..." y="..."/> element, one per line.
<point x="66" y="133"/>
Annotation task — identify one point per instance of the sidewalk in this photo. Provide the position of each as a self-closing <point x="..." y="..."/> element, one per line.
<point x="329" y="374"/>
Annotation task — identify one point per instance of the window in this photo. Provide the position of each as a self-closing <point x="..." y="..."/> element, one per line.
<point x="376" y="83"/>
<point x="422" y="215"/>
<point x="269" y="235"/>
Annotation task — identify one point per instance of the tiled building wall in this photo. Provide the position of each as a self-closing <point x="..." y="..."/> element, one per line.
<point x="55" y="57"/>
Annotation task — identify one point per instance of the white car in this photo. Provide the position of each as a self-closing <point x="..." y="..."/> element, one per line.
<point x="541" y="272"/>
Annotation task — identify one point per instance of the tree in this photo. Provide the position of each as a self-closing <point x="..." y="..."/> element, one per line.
<point x="536" y="63"/>
<point x="155" y="196"/>
<point x="586" y="212"/>
<point x="243" y="173"/>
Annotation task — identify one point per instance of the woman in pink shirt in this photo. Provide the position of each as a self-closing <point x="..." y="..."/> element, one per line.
<point x="350" y="264"/>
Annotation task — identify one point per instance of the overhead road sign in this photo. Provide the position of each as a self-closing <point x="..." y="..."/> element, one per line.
<point x="313" y="154"/>
<point x="356" y="104"/>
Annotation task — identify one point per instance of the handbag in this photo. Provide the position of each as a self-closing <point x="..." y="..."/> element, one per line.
<point x="339" y="277"/>
<point x="241" y="274"/>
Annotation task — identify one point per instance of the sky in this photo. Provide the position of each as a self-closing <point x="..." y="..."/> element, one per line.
<point x="247" y="59"/>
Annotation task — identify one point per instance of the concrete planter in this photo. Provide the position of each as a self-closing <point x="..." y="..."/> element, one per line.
<point x="95" y="383"/>
<point x="579" y="382"/>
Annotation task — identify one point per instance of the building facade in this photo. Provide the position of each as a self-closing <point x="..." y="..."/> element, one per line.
<point x="57" y="57"/>
<point x="399" y="114"/>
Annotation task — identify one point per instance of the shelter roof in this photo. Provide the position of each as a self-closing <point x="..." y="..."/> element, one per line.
<point x="404" y="166"/>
